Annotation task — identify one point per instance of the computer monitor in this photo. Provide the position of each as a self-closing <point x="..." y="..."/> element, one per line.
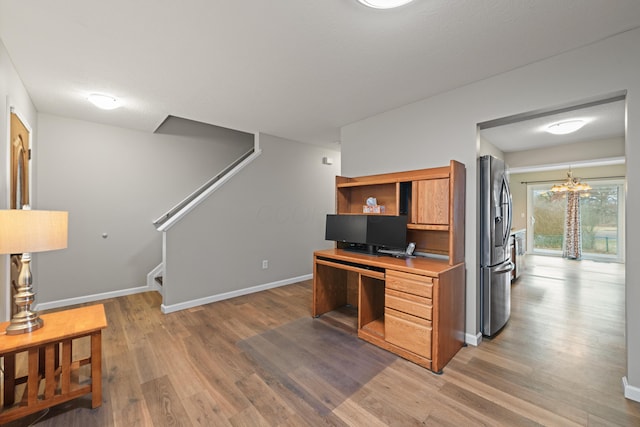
<point x="372" y="232"/>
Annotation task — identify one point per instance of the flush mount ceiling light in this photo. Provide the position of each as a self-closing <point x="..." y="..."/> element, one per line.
<point x="106" y="102"/>
<point x="384" y="4"/>
<point x="565" y="127"/>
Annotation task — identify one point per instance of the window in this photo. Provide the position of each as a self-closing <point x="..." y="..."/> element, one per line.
<point x="602" y="219"/>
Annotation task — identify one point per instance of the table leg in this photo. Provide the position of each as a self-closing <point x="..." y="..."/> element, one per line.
<point x="96" y="369"/>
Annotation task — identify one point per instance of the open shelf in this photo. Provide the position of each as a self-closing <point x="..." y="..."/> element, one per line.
<point x="375" y="327"/>
<point x="350" y="200"/>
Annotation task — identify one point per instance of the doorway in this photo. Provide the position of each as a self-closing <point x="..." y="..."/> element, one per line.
<point x="537" y="160"/>
<point x="19" y="189"/>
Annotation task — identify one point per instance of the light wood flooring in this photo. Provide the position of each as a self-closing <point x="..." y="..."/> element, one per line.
<point x="261" y="360"/>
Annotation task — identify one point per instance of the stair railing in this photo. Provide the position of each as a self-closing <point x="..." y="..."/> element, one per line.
<point x="174" y="214"/>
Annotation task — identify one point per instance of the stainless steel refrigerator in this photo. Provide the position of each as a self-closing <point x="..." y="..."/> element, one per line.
<point x="495" y="254"/>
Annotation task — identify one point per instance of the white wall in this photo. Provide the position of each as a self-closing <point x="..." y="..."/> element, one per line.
<point x="12" y="94"/>
<point x="274" y="210"/>
<point x="488" y="149"/>
<point x="114" y="181"/>
<point x="432" y="131"/>
<point x="575" y="153"/>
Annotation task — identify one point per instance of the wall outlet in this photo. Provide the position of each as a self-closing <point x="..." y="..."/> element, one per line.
<point x="265" y="263"/>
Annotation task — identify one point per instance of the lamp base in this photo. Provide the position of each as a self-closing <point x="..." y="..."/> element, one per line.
<point x="24" y="322"/>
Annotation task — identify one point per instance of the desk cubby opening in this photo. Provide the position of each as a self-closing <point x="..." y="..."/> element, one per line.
<point x="371" y="305"/>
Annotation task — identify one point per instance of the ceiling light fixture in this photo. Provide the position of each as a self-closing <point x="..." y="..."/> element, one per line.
<point x="106" y="102"/>
<point x="565" y="127"/>
<point x="384" y="4"/>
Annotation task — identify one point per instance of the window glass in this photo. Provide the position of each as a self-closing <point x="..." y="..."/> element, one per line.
<point x="601" y="210"/>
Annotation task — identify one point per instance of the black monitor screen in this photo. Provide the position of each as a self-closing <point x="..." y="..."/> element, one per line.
<point x="388" y="231"/>
<point x="347" y="228"/>
<point x="377" y="230"/>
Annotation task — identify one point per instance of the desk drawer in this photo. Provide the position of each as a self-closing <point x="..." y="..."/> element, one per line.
<point x="409" y="332"/>
<point x="410" y="283"/>
<point x="408" y="303"/>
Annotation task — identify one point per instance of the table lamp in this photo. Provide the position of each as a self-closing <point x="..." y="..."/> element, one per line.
<point x="23" y="231"/>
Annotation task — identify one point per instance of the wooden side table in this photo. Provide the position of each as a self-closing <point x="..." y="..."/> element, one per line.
<point x="49" y="359"/>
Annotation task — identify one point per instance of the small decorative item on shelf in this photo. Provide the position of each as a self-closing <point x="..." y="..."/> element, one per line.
<point x="372" y="206"/>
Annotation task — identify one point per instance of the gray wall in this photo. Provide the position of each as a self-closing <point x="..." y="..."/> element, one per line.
<point x="432" y="131"/>
<point x="12" y="94"/>
<point x="114" y="181"/>
<point x="273" y="210"/>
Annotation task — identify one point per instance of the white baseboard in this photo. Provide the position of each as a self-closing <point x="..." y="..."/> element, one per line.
<point x="91" y="298"/>
<point x="227" y="295"/>
<point x="630" y="392"/>
<point x="168" y="308"/>
<point x="473" y="340"/>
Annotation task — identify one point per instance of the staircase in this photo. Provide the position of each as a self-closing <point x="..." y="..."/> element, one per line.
<point x="180" y="211"/>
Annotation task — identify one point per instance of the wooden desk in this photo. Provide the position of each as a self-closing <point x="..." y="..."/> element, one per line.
<point x="49" y="359"/>
<point x="412" y="307"/>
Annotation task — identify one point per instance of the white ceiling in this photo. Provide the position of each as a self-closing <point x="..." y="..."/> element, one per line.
<point x="297" y="69"/>
<point x="603" y="121"/>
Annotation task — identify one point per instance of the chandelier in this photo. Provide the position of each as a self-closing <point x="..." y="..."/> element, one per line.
<point x="571" y="184"/>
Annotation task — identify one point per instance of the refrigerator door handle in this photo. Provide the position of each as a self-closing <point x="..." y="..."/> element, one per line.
<point x="507" y="267"/>
<point x="505" y="201"/>
<point x="509" y="205"/>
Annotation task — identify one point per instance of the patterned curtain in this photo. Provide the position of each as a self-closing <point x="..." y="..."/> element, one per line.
<point x="572" y="233"/>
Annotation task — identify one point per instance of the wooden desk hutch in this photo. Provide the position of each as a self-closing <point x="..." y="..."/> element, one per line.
<point x="413" y="307"/>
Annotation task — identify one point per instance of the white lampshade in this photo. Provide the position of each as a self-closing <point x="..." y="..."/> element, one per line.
<point x="26" y="231"/>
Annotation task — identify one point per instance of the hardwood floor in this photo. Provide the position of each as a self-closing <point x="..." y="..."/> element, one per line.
<point x="261" y="360"/>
